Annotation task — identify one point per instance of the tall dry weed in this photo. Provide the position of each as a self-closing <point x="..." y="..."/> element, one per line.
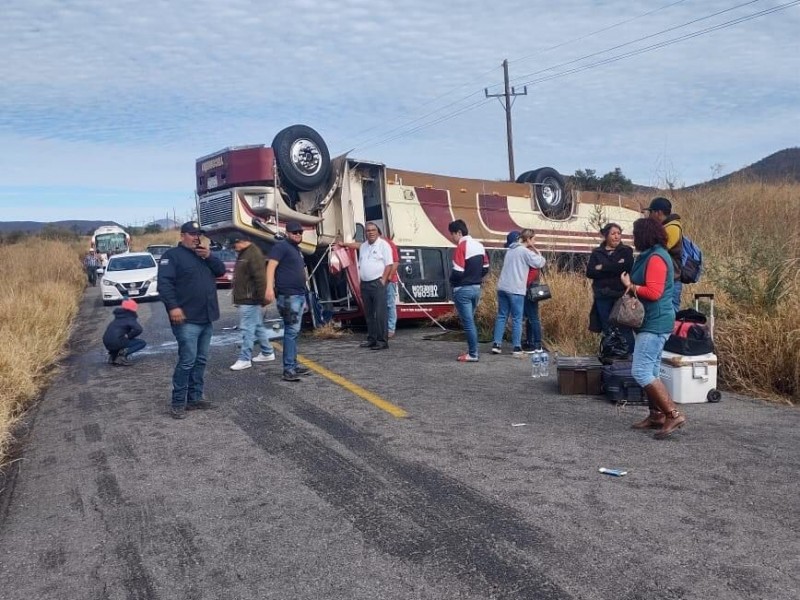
<point x="37" y="307"/>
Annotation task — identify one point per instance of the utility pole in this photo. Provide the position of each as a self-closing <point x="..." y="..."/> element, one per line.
<point x="508" y="94"/>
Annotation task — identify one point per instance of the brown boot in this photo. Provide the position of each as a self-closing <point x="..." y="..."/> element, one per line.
<point x="673" y="419"/>
<point x="656" y="418"/>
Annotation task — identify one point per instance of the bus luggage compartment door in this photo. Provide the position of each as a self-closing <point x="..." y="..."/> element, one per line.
<point x="423" y="274"/>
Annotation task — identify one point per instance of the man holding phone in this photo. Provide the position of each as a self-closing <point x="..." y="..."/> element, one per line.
<point x="187" y="286"/>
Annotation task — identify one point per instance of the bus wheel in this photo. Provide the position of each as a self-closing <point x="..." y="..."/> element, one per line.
<point x="550" y="191"/>
<point x="302" y="156"/>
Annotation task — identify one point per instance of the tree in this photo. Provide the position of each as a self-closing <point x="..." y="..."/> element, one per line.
<point x="613" y="181"/>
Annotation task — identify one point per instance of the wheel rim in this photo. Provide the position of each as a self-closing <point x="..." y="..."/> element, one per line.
<point x="306" y="157"/>
<point x="551" y="191"/>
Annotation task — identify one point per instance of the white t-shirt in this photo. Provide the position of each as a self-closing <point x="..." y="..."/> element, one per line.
<point x="373" y="259"/>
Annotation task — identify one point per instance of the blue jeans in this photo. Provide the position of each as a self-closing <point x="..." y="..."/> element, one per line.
<point x="291" y="309"/>
<point x="677" y="288"/>
<point x="466" y="300"/>
<point x="251" y="322"/>
<point x="604" y="306"/>
<point x="533" y="327"/>
<point x="508" y="303"/>
<point x="391" y="306"/>
<point x="134" y="345"/>
<point x="647" y="357"/>
<point x="187" y="381"/>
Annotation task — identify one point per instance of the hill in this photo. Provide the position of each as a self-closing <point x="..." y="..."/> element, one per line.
<point x="78" y="226"/>
<point x="782" y="166"/>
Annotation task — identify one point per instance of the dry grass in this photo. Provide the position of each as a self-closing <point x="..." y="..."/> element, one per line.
<point x="330" y="331"/>
<point x="140" y="243"/>
<point x="36" y="314"/>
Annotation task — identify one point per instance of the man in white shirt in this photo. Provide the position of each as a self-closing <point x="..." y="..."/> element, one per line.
<point x="375" y="269"/>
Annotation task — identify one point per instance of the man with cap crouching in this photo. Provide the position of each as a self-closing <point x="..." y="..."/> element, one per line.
<point x="121" y="337"/>
<point x="187" y="285"/>
<point x="286" y="283"/>
<point x="249" y="290"/>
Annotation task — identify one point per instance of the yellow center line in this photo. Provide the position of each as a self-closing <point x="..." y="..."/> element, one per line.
<point x="354" y="388"/>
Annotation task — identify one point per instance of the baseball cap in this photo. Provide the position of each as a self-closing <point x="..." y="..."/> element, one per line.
<point x="130" y="305"/>
<point x="191" y="227"/>
<point x="294" y="227"/>
<point x="236" y="237"/>
<point x="660" y="204"/>
<point x="513" y="236"/>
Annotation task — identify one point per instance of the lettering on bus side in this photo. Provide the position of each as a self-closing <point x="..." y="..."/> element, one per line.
<point x="425" y="290"/>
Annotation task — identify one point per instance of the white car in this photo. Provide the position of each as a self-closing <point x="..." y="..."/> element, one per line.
<point x="130" y="275"/>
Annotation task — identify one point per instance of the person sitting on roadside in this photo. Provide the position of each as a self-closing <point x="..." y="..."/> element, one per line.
<point x="651" y="281"/>
<point x="606" y="263"/>
<point x="121" y="337"/>
<point x="512" y="286"/>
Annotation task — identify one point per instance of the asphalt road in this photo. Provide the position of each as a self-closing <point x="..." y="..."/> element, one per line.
<point x="488" y="488"/>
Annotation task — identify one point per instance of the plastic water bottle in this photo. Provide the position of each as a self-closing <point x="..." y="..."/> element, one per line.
<point x="536" y="362"/>
<point x="544" y="364"/>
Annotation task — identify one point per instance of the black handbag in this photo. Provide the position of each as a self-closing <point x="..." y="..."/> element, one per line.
<point x="538" y="291"/>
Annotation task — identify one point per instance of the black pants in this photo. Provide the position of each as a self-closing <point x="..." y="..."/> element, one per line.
<point x="373" y="293"/>
<point x="91" y="274"/>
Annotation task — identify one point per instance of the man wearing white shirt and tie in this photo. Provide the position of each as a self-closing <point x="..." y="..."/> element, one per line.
<point x="375" y="268"/>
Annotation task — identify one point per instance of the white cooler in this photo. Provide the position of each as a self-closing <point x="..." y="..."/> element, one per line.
<point x="690" y="379"/>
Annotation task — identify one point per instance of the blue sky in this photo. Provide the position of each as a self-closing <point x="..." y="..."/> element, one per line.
<point x="104" y="105"/>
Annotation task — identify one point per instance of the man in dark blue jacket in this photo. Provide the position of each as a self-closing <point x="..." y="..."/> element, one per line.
<point x="187" y="286"/>
<point x="121" y="337"/>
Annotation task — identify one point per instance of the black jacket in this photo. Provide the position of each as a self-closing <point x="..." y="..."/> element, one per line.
<point x="124" y="327"/>
<point x="605" y="281"/>
<point x="188" y="282"/>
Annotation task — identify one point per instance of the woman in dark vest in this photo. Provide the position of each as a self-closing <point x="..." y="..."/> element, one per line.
<point x="606" y="263"/>
<point x="651" y="281"/>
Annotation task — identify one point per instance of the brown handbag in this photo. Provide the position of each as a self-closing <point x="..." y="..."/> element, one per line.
<point x="628" y="311"/>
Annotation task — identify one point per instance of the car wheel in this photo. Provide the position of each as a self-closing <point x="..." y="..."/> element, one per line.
<point x="302" y="157"/>
<point x="714" y="395"/>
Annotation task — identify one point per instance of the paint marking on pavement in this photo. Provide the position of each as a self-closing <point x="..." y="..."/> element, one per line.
<point x="354" y="388"/>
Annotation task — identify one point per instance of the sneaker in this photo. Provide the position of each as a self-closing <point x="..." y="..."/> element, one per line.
<point x="517" y="351"/>
<point x="290" y="376"/>
<point x="466" y="358"/>
<point x="301" y="370"/>
<point x="264" y="357"/>
<point x="178" y="412"/>
<point x="121" y="361"/>
<point x="391" y="334"/>
<point x="241" y="365"/>
<point x="496" y="349"/>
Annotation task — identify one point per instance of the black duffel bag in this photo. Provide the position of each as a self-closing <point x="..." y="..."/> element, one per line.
<point x="690" y="336"/>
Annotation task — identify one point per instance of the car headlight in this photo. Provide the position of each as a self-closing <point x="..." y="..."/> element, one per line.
<point x="152" y="279"/>
<point x="108" y="282"/>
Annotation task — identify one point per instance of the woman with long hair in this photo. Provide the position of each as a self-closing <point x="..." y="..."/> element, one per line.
<point x="606" y="263"/>
<point x="651" y="281"/>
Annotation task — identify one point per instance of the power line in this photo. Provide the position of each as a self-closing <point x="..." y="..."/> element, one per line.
<point x="665" y="43"/>
<point x="365" y="143"/>
<point x="643" y="50"/>
<point x="641" y="39"/>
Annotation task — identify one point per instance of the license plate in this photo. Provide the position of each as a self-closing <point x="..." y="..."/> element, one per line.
<point x="133" y="292"/>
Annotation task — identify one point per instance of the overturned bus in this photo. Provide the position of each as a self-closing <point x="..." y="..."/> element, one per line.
<point x="257" y="189"/>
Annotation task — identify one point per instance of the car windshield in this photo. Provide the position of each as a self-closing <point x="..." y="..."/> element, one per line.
<point x="131" y="263"/>
<point x="157" y="250"/>
<point x="225" y="255"/>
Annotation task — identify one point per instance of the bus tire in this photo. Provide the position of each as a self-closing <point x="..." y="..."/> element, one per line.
<point x="302" y="157"/>
<point x="549" y="190"/>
